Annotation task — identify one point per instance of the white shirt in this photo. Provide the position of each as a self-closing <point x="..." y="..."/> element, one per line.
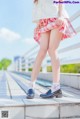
<point x="46" y="9"/>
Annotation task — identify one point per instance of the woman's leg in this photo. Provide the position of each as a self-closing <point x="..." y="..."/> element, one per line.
<point x="44" y="42"/>
<point x="54" y="41"/>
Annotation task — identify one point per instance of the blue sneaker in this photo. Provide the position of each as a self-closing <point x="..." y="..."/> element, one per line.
<point x="30" y="94"/>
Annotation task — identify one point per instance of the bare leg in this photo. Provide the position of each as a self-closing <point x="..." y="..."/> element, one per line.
<point x="55" y="38"/>
<point x="54" y="41"/>
<point x="44" y="41"/>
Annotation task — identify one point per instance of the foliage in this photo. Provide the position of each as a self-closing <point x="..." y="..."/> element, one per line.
<point x="30" y="69"/>
<point x="41" y="69"/>
<point x="23" y="69"/>
<point x="4" y="63"/>
<point x="0" y="66"/>
<point x="70" y="68"/>
<point x="49" y="68"/>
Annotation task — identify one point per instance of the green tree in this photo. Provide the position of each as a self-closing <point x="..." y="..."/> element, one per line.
<point x="0" y="66"/>
<point x="5" y="63"/>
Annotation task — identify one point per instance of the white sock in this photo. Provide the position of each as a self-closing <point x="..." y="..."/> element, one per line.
<point x="55" y="87"/>
<point x="32" y="85"/>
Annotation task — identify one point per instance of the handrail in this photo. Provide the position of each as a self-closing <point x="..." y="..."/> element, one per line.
<point x="69" y="48"/>
<point x="74" y="16"/>
<point x="30" y="50"/>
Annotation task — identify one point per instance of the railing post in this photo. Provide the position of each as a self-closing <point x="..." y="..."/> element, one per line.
<point x="44" y="66"/>
<point x="44" y="69"/>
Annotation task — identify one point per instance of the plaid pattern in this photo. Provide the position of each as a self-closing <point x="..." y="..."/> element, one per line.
<point x="48" y="24"/>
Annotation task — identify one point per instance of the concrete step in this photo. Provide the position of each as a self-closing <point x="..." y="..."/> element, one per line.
<point x="15" y="90"/>
<point x="18" y="107"/>
<point x="11" y="109"/>
<point x="53" y="108"/>
<point x="4" y="89"/>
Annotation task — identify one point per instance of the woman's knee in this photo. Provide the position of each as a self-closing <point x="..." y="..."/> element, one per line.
<point x="43" y="51"/>
<point x="52" y="49"/>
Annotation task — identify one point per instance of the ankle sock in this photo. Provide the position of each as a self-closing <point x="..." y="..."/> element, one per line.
<point x="32" y="85"/>
<point x="55" y="87"/>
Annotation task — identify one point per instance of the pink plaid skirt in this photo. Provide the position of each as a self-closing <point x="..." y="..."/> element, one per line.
<point x="45" y="25"/>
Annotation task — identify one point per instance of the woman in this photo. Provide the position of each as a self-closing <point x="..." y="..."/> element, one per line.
<point x="52" y="27"/>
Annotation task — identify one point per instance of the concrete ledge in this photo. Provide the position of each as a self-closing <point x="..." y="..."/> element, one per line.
<point x="12" y="113"/>
<point x="72" y="80"/>
<point x="11" y="103"/>
<point x="68" y="79"/>
<point x="11" y="109"/>
<point x="61" y="108"/>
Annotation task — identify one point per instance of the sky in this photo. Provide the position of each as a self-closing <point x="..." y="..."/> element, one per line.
<point x="16" y="27"/>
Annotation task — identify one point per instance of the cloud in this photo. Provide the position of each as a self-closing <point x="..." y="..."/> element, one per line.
<point x="9" y="35"/>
